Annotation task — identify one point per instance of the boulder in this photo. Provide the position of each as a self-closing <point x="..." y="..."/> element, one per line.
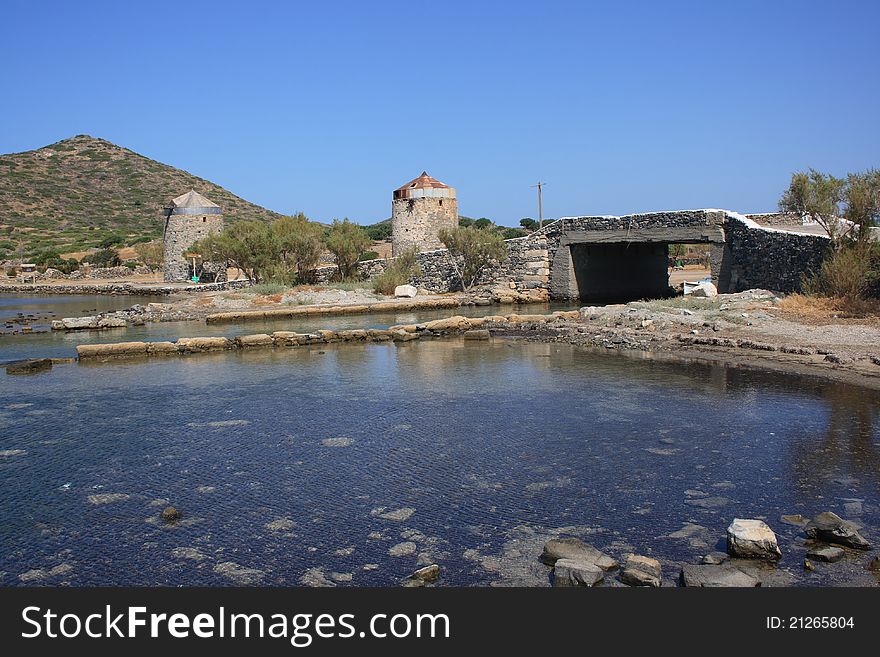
<point x="752" y="539"/>
<point x="407" y="291"/>
<point x="30" y="366"/>
<point x="476" y="334"/>
<point x="826" y="553"/>
<point x="831" y="528"/>
<point x="403" y="336"/>
<point x="575" y="549"/>
<point x="874" y="564"/>
<point x="572" y="572"/>
<point x="641" y="571"/>
<point x="723" y="575"/>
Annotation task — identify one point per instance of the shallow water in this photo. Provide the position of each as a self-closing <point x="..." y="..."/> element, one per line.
<point x="284" y="461"/>
<point x="61" y="344"/>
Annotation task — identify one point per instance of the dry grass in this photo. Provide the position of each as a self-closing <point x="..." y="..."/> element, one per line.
<point x="828" y="309"/>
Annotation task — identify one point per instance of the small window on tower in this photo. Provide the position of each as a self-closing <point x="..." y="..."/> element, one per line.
<point x="441" y="202"/>
<point x="204" y="219"/>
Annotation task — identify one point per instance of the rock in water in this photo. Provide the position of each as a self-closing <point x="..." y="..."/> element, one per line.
<point x="31" y="366"/>
<point x="427" y="574"/>
<point x="407" y="291"/>
<point x="641" y="571"/>
<point x="713" y="559"/>
<point x="170" y="514"/>
<point x="576" y="550"/>
<point x="831" y="528"/>
<point x="828" y="554"/>
<point x="724" y="575"/>
<point x="751" y="539"/>
<point x="570" y="572"/>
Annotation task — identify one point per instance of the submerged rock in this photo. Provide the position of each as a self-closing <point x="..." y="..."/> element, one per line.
<point x="107" y="498"/>
<point x="31" y="366"/>
<point x="576" y="550"/>
<point x="280" y="525"/>
<point x="403" y="549"/>
<point x="572" y="572"/>
<point x="796" y="520"/>
<point x="826" y="553"/>
<point x="641" y="571"/>
<point x="240" y="575"/>
<point x="831" y="528"/>
<point x="751" y="539"/>
<point x="723" y="575"/>
<point x="170" y="514"/>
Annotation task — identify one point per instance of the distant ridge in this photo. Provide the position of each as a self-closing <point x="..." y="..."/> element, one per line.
<point x="74" y="194"/>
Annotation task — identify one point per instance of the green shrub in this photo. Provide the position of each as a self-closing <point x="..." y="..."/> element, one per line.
<point x="379" y="232"/>
<point x="104" y="258"/>
<point x="368" y="255"/>
<point x="267" y="288"/>
<point x="850" y="272"/>
<point x="110" y="240"/>
<point x="400" y="271"/>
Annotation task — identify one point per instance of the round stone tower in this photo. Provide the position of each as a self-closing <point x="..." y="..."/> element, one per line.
<point x="419" y="210"/>
<point x="189" y="218"/>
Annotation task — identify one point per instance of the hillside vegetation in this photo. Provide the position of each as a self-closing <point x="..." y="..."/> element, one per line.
<point x="82" y="192"/>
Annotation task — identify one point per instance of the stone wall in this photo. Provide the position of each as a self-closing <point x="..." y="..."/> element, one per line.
<point x="780" y="219"/>
<point x="762" y="257"/>
<point x="418" y="221"/>
<point x="181" y="232"/>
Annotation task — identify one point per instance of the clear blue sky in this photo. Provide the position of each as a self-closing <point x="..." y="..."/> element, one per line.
<point x="326" y="107"/>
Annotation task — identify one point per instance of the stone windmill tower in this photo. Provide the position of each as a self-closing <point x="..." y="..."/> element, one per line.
<point x="189" y="218"/>
<point x="419" y="210"/>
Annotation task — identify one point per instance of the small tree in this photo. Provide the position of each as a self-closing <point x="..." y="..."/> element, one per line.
<point x="249" y="246"/>
<point x="151" y="254"/>
<point x="861" y="197"/>
<point x="471" y="251"/>
<point x="528" y="223"/>
<point x="105" y="258"/>
<point x="346" y="241"/>
<point x="818" y="195"/>
<point x="299" y="244"/>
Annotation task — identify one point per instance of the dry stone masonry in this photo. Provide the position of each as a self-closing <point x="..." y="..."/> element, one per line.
<point x="190" y="218"/>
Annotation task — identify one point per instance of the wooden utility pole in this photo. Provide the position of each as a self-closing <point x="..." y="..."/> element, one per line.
<point x="540" y="186"/>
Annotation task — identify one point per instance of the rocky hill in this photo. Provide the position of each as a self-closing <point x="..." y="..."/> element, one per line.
<point x="79" y="192"/>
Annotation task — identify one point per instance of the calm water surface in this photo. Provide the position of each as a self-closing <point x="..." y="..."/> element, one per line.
<point x="284" y="463"/>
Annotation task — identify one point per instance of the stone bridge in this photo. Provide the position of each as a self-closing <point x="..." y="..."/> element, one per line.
<point x="607" y="258"/>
